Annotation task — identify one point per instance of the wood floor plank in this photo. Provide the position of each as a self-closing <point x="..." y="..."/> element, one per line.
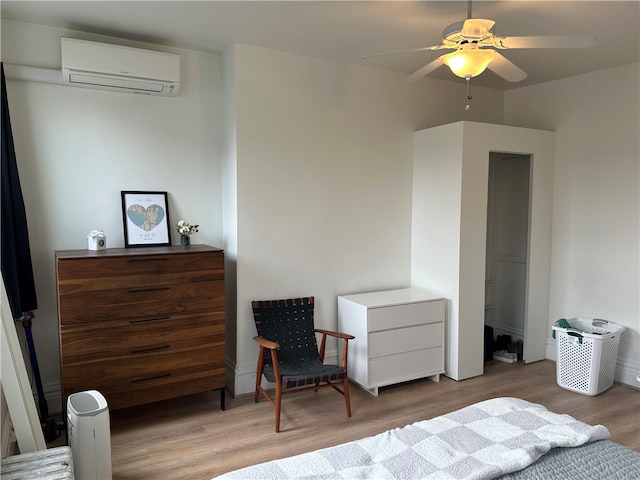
<point x="191" y="437"/>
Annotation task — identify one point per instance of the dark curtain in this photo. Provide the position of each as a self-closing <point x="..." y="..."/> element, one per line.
<point x="16" y="254"/>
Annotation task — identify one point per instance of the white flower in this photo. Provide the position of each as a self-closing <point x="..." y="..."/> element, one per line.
<point x="185" y="228"/>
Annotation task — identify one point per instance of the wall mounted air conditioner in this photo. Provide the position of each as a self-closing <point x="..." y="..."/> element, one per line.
<point x="122" y="69"/>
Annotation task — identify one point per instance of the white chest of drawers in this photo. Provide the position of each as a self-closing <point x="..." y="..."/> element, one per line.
<point x="399" y="336"/>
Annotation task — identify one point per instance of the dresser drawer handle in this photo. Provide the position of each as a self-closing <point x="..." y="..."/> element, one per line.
<point x="137" y="260"/>
<point x="142" y="290"/>
<point x="147" y="320"/>
<point x="150" y="349"/>
<point x="154" y="377"/>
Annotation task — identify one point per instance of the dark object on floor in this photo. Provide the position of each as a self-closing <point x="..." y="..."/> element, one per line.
<point x="488" y="343"/>
<point x="502" y="343"/>
<point x="519" y="349"/>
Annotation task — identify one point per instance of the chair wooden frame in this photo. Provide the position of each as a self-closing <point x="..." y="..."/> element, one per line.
<point x="271" y="348"/>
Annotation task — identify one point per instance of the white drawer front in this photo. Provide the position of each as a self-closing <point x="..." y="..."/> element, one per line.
<point x="396" y="316"/>
<point x="405" y="366"/>
<point x="400" y="340"/>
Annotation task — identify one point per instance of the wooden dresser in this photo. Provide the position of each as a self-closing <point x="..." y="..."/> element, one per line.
<point x="399" y="336"/>
<point x="141" y="325"/>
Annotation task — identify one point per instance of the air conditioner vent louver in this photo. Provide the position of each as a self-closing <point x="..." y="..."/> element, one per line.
<point x="117" y="68"/>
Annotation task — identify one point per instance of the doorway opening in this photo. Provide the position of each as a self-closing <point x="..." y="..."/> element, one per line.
<point x="508" y="224"/>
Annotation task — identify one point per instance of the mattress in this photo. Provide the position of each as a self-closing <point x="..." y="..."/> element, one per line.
<point x="598" y="460"/>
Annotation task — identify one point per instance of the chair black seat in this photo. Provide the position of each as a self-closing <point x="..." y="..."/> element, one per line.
<point x="301" y="374"/>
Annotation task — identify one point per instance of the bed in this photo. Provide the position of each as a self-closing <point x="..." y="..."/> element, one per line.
<point x="505" y="438"/>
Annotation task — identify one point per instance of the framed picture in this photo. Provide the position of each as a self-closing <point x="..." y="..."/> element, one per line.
<point x="146" y="219"/>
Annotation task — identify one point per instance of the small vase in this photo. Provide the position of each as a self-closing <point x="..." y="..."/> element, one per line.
<point x="185" y="240"/>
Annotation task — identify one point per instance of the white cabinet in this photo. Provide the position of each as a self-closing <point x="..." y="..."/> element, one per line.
<point x="449" y="231"/>
<point x="399" y="336"/>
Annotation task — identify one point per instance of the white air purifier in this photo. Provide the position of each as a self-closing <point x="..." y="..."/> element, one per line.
<point x="89" y="435"/>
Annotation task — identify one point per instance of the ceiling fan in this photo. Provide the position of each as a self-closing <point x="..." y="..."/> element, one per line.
<point x="476" y="46"/>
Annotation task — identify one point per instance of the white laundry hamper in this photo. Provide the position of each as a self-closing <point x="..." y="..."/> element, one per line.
<point x="587" y="354"/>
<point x="89" y="435"/>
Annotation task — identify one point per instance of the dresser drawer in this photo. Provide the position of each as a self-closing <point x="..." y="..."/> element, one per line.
<point x="178" y="358"/>
<point x="119" y="337"/>
<point x="399" y="340"/>
<point x="397" y="316"/>
<point x="133" y="302"/>
<point x="405" y="366"/>
<point x="121" y="394"/>
<point x="135" y="271"/>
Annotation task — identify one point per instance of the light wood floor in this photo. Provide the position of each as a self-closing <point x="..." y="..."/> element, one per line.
<point x="191" y="437"/>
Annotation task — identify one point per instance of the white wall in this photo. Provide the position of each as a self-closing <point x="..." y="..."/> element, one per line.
<point x="316" y="158"/>
<point x="324" y="166"/>
<point x="78" y="148"/>
<point x="315" y="155"/>
<point x="596" y="214"/>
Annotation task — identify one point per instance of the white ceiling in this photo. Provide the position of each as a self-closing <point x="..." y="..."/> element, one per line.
<point x="345" y="31"/>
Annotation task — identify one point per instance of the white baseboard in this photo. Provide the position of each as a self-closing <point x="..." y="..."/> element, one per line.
<point x="245" y="381"/>
<point x="628" y="373"/>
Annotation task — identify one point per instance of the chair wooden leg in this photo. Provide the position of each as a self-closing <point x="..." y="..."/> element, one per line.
<point x="260" y="366"/>
<point x="278" y="405"/>
<point x="256" y="395"/>
<point x="347" y="399"/>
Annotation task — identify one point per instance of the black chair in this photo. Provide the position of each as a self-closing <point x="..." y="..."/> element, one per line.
<point x="289" y="355"/>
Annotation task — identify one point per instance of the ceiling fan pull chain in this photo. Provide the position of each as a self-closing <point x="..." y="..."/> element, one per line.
<point x="469" y="97"/>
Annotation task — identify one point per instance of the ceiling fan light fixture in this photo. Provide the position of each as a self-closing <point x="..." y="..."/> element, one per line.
<point x="469" y="61"/>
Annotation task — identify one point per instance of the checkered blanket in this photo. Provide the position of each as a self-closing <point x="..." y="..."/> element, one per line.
<point x="479" y="442"/>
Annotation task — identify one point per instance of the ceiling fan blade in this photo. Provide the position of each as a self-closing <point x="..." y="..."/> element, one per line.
<point x="427" y="69"/>
<point x="506" y="69"/>
<point x="476" y="28"/>
<point x="411" y="50"/>
<point x="550" y="41"/>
